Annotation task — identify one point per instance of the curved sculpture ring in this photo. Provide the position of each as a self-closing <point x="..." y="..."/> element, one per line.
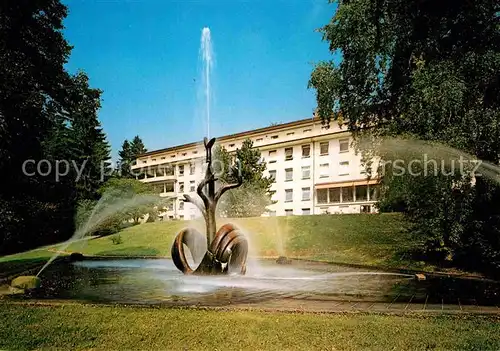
<point x="227" y="252"/>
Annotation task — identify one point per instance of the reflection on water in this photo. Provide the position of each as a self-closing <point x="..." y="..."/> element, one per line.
<point x="157" y="281"/>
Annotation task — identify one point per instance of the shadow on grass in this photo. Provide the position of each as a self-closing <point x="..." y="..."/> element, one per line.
<point x="131" y="251"/>
<point x="18" y="266"/>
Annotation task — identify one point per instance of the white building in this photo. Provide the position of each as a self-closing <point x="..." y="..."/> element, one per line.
<point x="315" y="168"/>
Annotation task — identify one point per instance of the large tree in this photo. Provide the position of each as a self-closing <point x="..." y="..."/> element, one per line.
<point x="48" y="119"/>
<point x="253" y="196"/>
<point x="128" y="155"/>
<point x="423" y="70"/>
<point x="91" y="150"/>
<point x="33" y="52"/>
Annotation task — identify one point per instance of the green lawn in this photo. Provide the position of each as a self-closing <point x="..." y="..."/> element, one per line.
<point x="365" y="239"/>
<point x="79" y="327"/>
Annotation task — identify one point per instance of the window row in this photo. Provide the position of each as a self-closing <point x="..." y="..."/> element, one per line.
<point x="324" y="149"/>
<point x="169" y="187"/>
<point x="171" y="156"/>
<point x="324" y="171"/>
<point x="289" y="212"/>
<point x="306" y="194"/>
<point x="357" y="193"/>
<point x="165" y="170"/>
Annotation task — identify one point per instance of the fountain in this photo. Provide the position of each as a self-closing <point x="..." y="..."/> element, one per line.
<point x="227" y="248"/>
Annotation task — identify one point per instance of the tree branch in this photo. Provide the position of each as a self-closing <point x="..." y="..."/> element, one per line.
<point x="208" y="176"/>
<point x="227" y="187"/>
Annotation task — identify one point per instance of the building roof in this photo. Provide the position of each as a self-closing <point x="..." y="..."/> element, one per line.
<point x="234" y="136"/>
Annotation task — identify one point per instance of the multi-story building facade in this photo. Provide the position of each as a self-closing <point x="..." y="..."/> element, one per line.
<point x="316" y="170"/>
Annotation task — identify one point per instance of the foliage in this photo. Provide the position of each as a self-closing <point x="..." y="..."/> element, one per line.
<point x="423" y="70"/>
<point x="128" y="155"/>
<point x="33" y="52"/>
<point x="92" y="149"/>
<point x="116" y="239"/>
<point x="252" y="198"/>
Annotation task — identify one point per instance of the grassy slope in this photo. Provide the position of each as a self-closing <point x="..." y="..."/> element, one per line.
<point x="355" y="239"/>
<point x="121" y="328"/>
<point x="377" y="240"/>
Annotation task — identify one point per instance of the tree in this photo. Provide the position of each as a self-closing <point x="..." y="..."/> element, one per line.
<point x="33" y="209"/>
<point x="252" y="198"/>
<point x="137" y="147"/>
<point x="423" y="70"/>
<point x="92" y="152"/>
<point x="128" y="154"/>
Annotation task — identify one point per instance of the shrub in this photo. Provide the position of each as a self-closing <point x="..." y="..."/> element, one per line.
<point x="116" y="239"/>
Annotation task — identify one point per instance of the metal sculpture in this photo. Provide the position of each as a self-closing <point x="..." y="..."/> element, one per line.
<point x="227" y="248"/>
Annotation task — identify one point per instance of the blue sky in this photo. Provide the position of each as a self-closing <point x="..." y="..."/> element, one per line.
<point x="145" y="56"/>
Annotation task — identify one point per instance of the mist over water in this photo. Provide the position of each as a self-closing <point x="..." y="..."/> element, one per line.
<point x="108" y="206"/>
<point x="432" y="153"/>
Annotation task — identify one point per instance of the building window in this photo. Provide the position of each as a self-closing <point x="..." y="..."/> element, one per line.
<point x="259" y="139"/>
<point x="291" y="133"/>
<point x="323" y="148"/>
<point x="272" y="213"/>
<point x="172" y="156"/>
<point x="192" y="186"/>
<point x="181" y="187"/>
<point x="160" y="171"/>
<point x="347" y="194"/>
<point x="231" y="145"/>
<point x="343" y="145"/>
<point x="307" y="130"/>
<point x="181" y="205"/>
<point x="288" y="153"/>
<point x="288" y="195"/>
<point x="181" y="217"/>
<point x="192" y="216"/>
<point x="144" y="161"/>
<point x="344" y="168"/>
<point x="289" y="212"/>
<point x="153" y="159"/>
<point x="288" y="174"/>
<point x="274" y="137"/>
<point x="272" y="161"/>
<point x="306" y="194"/>
<point x="169" y="170"/>
<point x="195" y="152"/>
<point x="192" y="168"/>
<point x="366" y="209"/>
<point x="361" y="192"/>
<point x="334" y="195"/>
<point x="272" y="153"/>
<point x="272" y="175"/>
<point x="306" y="211"/>
<point x="322" y="196"/>
<point x="163" y="158"/>
<point x="181" y="170"/>
<point x="306" y="172"/>
<point x="169" y="187"/>
<point x="324" y="170"/>
<point x="306" y="151"/>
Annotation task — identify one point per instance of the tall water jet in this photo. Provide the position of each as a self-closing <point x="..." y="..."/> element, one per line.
<point x="207" y="60"/>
